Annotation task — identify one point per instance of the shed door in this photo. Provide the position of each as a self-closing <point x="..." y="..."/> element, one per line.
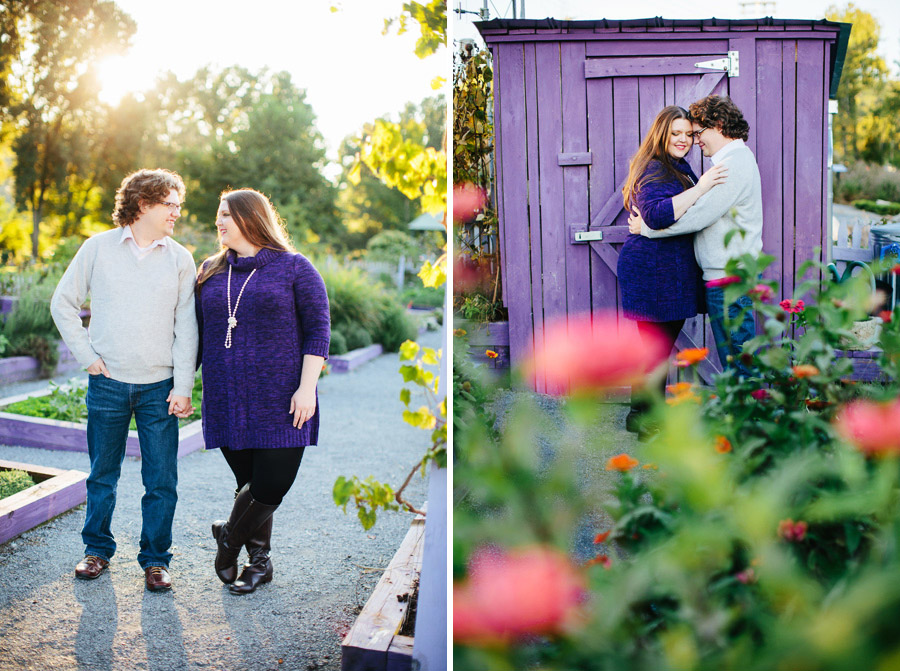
<point x="624" y="95"/>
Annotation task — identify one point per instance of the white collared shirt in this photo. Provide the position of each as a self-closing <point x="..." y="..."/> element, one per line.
<point x="727" y="149"/>
<point x="137" y="250"/>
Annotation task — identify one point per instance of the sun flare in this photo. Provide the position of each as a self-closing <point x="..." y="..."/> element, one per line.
<point x="117" y="78"/>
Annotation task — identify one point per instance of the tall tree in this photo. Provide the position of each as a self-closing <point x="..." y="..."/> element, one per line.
<point x="56" y="95"/>
<point x="863" y="74"/>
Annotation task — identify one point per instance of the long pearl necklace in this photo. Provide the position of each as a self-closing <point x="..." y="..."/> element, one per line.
<point x="232" y="320"/>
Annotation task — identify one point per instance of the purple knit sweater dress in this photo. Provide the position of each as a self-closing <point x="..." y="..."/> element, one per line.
<point x="659" y="277"/>
<point x="283" y="315"/>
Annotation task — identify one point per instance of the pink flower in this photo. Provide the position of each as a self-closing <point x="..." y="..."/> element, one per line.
<point x="516" y="594"/>
<point x="746" y="576"/>
<point x="723" y="281"/>
<point x="762" y="291"/>
<point x="591" y="352"/>
<point x="792" y="531"/>
<point x="874" y="428"/>
<point x="760" y="394"/>
<point x="467" y="200"/>
<point x="792" y="306"/>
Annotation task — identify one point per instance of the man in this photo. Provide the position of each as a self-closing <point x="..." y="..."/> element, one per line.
<point x="736" y="205"/>
<point x="140" y="353"/>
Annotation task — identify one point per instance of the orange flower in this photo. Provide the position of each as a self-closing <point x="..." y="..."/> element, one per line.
<point x="491" y="354"/>
<point x="601" y="538"/>
<point x="459" y="332"/>
<point x="650" y="467"/>
<point x="516" y="594"/>
<point x="805" y="370"/>
<point x="621" y="462"/>
<point x="723" y="445"/>
<point x="816" y="404"/>
<point x="603" y="560"/>
<point x="681" y="392"/>
<point x="691" y="356"/>
<point x="588" y="352"/>
<point x="874" y="428"/>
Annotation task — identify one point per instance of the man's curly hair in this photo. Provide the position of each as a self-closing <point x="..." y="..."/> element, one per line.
<point x="719" y="112"/>
<point x="144" y="187"/>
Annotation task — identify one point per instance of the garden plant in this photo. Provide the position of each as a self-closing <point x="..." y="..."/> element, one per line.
<point x="759" y="529"/>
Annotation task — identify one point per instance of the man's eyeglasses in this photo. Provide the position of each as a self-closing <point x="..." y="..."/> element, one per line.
<point x="175" y="207"/>
<point x="698" y="133"/>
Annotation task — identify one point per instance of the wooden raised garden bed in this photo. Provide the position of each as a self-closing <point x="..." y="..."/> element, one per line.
<point x="56" y="492"/>
<point x="344" y="363"/>
<point x="373" y="643"/>
<point x="54" y="434"/>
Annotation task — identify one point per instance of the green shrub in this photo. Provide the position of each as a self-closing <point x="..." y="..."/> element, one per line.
<point x="357" y="336"/>
<point x="420" y="296"/>
<point x="868" y="182"/>
<point x="37" y="346"/>
<point x="391" y="245"/>
<point x="396" y="328"/>
<point x="338" y="343"/>
<point x="888" y="209"/>
<point x="13" y="482"/>
<point x="364" y="312"/>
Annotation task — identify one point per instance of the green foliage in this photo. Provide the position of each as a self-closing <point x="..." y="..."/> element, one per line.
<point x="368" y="495"/>
<point x="431" y="17"/>
<point x="391" y="245"/>
<point x="889" y="209"/>
<point x="338" y="344"/>
<point x="421" y="296"/>
<point x="477" y="307"/>
<point x="363" y="312"/>
<point x="864" y="181"/>
<point x="749" y="534"/>
<point x="14" y="481"/>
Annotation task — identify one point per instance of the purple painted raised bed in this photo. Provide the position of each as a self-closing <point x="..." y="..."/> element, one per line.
<point x="344" y="363"/>
<point x="53" y="434"/>
<point x="23" y="368"/>
<point x="56" y="492"/>
<point x="572" y="100"/>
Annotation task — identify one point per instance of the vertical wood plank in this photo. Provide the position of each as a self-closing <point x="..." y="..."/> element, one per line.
<point x="602" y="184"/>
<point x="498" y="177"/>
<point x="810" y="110"/>
<point x="626" y="102"/>
<point x="769" y="149"/>
<point x="652" y="98"/>
<point x="513" y="196"/>
<point x="742" y="88"/>
<point x="553" y="242"/>
<point x="789" y="150"/>
<point x="575" y="178"/>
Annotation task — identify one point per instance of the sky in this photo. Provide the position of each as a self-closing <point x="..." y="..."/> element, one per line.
<point x="886" y="12"/>
<point x="351" y="72"/>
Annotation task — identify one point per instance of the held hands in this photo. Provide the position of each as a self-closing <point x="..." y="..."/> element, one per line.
<point x="180" y="406"/>
<point x="303" y="405"/>
<point x="98" y="368"/>
<point x="635" y="221"/>
<point x="715" y="175"/>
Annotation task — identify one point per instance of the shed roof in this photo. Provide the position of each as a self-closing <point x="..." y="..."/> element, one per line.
<point x="525" y="30"/>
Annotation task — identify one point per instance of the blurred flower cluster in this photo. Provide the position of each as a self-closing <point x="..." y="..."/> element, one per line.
<point x="759" y="530"/>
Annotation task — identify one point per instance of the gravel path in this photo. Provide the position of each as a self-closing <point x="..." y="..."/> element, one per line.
<point x="325" y="564"/>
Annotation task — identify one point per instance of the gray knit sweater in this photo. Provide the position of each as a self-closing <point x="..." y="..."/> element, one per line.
<point x="143" y="323"/>
<point x="734" y="205"/>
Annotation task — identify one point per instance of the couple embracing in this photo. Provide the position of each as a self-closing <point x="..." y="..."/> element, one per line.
<point x="679" y="224"/>
<point x="256" y="316"/>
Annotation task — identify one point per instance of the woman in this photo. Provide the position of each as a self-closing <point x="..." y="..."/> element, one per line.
<point x="264" y="333"/>
<point x="660" y="279"/>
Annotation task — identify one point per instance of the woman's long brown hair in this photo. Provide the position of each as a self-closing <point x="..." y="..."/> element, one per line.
<point x="655" y="146"/>
<point x="257" y="221"/>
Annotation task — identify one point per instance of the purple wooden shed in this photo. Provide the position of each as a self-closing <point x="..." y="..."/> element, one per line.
<point x="573" y="100"/>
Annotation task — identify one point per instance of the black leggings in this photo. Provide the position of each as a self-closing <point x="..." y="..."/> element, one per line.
<point x="269" y="472"/>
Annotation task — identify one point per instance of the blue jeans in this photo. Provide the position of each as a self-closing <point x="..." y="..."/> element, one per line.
<point x="110" y="404"/>
<point x="730" y="342"/>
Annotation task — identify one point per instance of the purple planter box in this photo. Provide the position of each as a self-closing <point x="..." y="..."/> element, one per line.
<point x="344" y="363"/>
<point x="23" y="368"/>
<point x="56" y="492"/>
<point x="53" y="434"/>
<point x="492" y="336"/>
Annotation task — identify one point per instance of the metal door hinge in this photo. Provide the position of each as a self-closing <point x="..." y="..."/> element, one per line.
<point x="728" y="64"/>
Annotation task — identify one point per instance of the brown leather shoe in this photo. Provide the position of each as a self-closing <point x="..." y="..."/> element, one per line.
<point x="157" y="578"/>
<point x="90" y="567"/>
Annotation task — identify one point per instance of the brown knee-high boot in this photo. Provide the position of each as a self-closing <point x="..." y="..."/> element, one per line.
<point x="246" y="517"/>
<point x="258" y="569"/>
